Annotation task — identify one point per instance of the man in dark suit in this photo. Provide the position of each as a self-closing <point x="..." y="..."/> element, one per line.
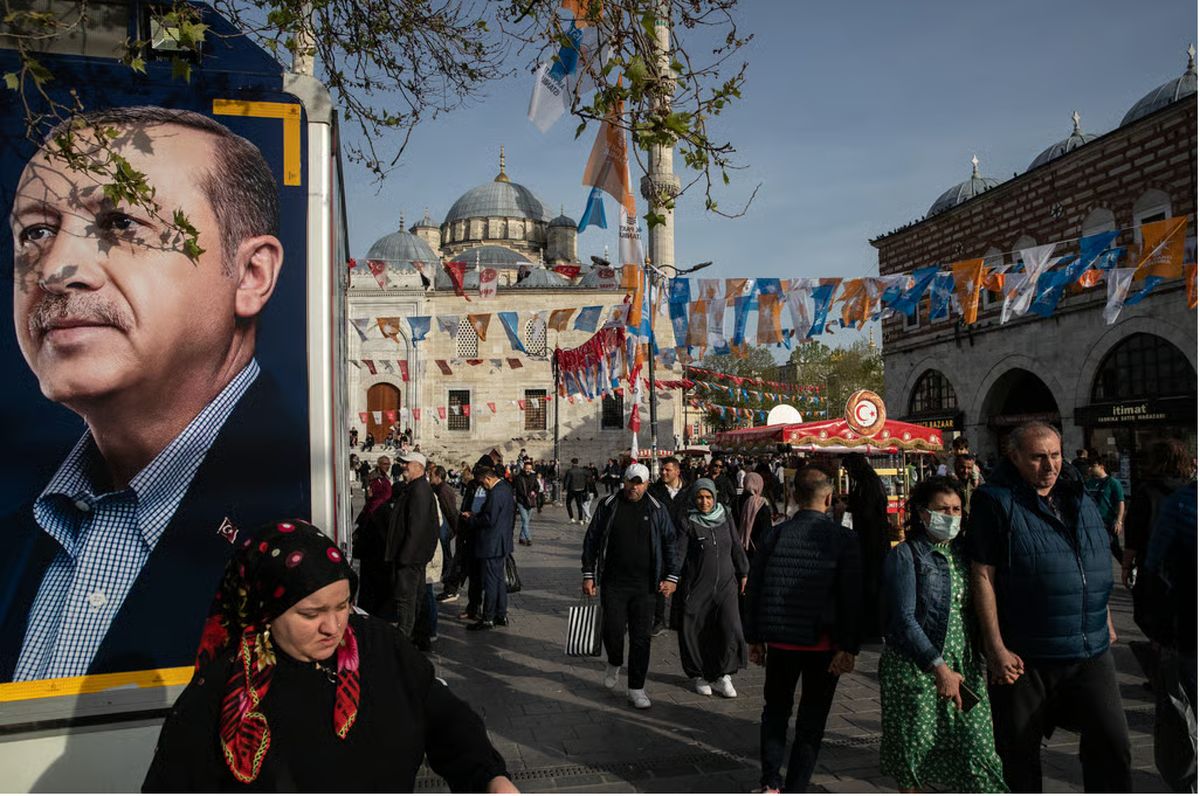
<point x="493" y="529"/>
<point x="411" y="540"/>
<point x="111" y="567"/>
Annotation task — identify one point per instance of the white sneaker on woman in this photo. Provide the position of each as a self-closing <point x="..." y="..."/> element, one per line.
<point x="701" y="686"/>
<point x="611" y="674"/>
<point x="724" y="687"/>
<point x="638" y="698"/>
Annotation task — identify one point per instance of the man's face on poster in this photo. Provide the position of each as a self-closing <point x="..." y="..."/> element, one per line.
<point x="105" y="301"/>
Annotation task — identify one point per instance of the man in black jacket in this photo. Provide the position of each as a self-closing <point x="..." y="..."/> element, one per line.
<point x="672" y="491"/>
<point x="493" y="527"/>
<point x="629" y="548"/>
<point x="525" y="488"/>
<point x="803" y="609"/>
<point x="575" y="485"/>
<point x="727" y="492"/>
<point x="411" y="539"/>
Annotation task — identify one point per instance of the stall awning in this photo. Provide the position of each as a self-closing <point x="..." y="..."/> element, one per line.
<point x="832" y="436"/>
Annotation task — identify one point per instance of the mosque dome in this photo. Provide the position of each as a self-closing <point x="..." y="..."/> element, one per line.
<point x="563" y="221"/>
<point x="1076" y="139"/>
<point x="1164" y="95"/>
<point x="542" y="278"/>
<point x="500" y="198"/>
<point x="479" y="257"/>
<point x="425" y="223"/>
<point x="967" y="189"/>
<point x="400" y="249"/>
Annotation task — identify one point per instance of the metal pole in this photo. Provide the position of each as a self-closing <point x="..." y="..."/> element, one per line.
<point x="554" y="369"/>
<point x="650" y="372"/>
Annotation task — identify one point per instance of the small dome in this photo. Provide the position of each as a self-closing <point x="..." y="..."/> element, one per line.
<point x="564" y="221"/>
<point x="1076" y="139"/>
<point x="399" y="249"/>
<point x="601" y="276"/>
<point x="425" y="223"/>
<point x="1164" y="95"/>
<point x="967" y="189"/>
<point x="543" y="278"/>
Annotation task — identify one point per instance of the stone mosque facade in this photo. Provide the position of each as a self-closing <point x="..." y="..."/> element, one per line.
<point x="502" y="225"/>
<point x="1115" y="388"/>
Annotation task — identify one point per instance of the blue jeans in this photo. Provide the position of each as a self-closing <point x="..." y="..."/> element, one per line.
<point x="431" y="607"/>
<point x="524" y="522"/>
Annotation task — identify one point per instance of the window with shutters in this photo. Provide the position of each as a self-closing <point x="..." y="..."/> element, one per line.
<point x="535" y="410"/>
<point x="458" y="420"/>
<point x="612" y="412"/>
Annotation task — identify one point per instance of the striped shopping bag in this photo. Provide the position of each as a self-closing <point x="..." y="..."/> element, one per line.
<point x="583" y="630"/>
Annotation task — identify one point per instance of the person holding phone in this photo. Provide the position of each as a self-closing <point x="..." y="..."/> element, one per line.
<point x="937" y="724"/>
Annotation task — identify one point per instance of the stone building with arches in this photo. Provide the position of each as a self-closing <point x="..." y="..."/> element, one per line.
<point x="504" y="226"/>
<point x="1109" y="387"/>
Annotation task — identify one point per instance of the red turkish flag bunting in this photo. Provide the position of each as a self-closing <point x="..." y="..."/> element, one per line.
<point x="370" y="365"/>
<point x="403" y="369"/>
<point x="521" y="404"/>
<point x="442" y="412"/>
<point x="444" y="367"/>
<point x="416" y="413"/>
<point x="390" y="415"/>
<point x="492" y="406"/>
<point x="466" y="410"/>
<point x="514" y="363"/>
<point x="364" y="417"/>
<point x="457" y="271"/>
<point x="379" y="271"/>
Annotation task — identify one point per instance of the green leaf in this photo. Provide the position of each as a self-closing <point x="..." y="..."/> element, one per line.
<point x="13" y="82"/>
<point x="579" y="130"/>
<point x="138" y="65"/>
<point x="180" y="68"/>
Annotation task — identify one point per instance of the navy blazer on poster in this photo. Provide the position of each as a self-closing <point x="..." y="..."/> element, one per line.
<point x="252" y="475"/>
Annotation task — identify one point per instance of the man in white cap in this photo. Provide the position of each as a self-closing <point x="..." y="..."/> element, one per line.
<point x="411" y="539"/>
<point x="630" y="546"/>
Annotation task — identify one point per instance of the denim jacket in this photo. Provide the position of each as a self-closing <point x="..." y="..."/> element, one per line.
<point x="917" y="600"/>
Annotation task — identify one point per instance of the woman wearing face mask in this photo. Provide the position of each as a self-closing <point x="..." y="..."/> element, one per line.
<point x="295" y="692"/>
<point x="932" y="670"/>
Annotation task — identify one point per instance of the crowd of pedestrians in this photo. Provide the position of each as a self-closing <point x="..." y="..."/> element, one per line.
<point x="991" y="603"/>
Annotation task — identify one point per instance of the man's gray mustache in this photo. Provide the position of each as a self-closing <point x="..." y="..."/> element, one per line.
<point x="81" y="308"/>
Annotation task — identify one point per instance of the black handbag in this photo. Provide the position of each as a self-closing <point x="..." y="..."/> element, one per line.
<point x="512" y="579"/>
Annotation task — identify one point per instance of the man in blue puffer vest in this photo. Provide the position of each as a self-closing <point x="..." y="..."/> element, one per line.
<point x="1042" y="578"/>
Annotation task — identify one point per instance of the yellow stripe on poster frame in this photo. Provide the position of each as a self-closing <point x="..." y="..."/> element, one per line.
<point x="289" y="112"/>
<point x="94" y="683"/>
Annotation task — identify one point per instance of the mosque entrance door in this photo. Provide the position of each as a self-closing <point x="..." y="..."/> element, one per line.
<point x="381" y="398"/>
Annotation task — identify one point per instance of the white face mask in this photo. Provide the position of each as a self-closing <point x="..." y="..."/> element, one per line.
<point x="943" y="527"/>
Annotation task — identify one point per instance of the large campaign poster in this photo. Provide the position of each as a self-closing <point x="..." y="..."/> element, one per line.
<point x="155" y="405"/>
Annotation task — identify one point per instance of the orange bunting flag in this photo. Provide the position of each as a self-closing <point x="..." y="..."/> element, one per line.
<point x="1091" y="277"/>
<point x="993" y="279"/>
<point x="854" y="302"/>
<point x="630" y="277"/>
<point x="968" y="281"/>
<point x="608" y="164"/>
<point x="390" y="327"/>
<point x="770" y="329"/>
<point x="637" y="302"/>
<point x="697" y="331"/>
<point x="480" y="324"/>
<point x="738" y="288"/>
<point x="1162" y="249"/>
<point x="1189" y="275"/>
<point x="560" y="318"/>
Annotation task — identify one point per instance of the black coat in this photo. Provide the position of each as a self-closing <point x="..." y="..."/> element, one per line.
<point x="405" y="714"/>
<point x="677" y="506"/>
<point x="413" y="528"/>
<point x="805" y="579"/>
<point x="159" y="624"/>
<point x="525" y="488"/>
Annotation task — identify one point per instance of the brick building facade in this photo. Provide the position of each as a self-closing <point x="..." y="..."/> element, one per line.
<point x="1112" y="388"/>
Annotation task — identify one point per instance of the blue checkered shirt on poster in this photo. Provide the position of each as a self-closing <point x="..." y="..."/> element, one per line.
<point x="105" y="538"/>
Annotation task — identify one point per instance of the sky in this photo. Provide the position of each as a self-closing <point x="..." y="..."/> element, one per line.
<point x="855" y="117"/>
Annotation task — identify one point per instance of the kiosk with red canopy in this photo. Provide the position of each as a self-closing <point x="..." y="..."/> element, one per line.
<point x="865" y="429"/>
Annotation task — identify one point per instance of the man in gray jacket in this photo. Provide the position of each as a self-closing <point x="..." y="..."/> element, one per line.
<point x="575" y="485"/>
<point x="411" y="539"/>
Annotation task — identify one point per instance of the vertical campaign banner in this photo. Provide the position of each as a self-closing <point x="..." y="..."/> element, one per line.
<point x="158" y="396"/>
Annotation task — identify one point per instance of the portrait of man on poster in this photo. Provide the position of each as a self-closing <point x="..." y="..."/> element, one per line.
<point x="111" y="566"/>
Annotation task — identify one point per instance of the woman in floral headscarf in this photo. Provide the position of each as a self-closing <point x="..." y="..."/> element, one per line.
<point x="293" y="691"/>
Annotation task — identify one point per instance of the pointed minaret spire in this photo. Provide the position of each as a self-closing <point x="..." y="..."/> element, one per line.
<point x="502" y="177"/>
<point x="1075" y="117"/>
<point x="401" y="220"/>
<point x="975" y="166"/>
<point x="1191" y="67"/>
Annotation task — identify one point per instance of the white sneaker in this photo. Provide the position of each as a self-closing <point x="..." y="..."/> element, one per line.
<point x="724" y="687"/>
<point x="638" y="698"/>
<point x="611" y="674"/>
<point x="701" y="686"/>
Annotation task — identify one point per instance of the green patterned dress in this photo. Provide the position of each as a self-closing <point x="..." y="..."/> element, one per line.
<point x="927" y="740"/>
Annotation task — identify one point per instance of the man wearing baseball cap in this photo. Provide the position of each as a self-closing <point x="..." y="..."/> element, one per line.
<point x="630" y="548"/>
<point x="411" y="539"/>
